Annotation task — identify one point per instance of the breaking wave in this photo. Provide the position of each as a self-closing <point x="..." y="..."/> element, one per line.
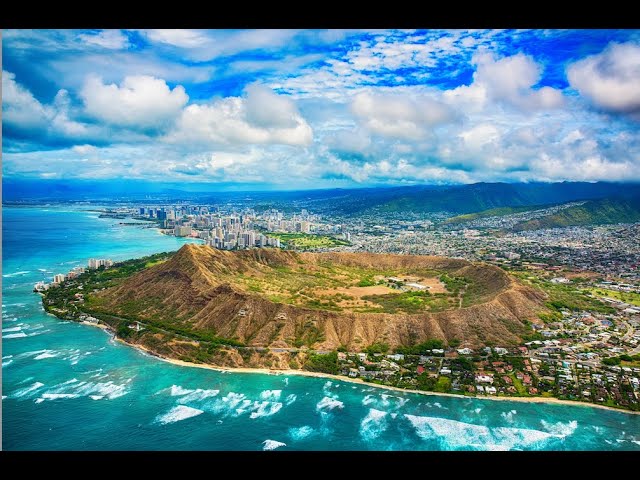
<point x="271" y="395"/>
<point x="57" y="396"/>
<point x="15" y="274"/>
<point x="329" y="403"/>
<point x="508" y="416"/>
<point x="24" y="392"/>
<point x="74" y="389"/>
<point x="236" y="404"/>
<point x="46" y="354"/>
<point x="108" y="390"/>
<point x="272" y="444"/>
<point x="373" y="425"/>
<point x="265" y="409"/>
<point x="176" y="414"/>
<point x="189" y="395"/>
<point x="456" y="435"/>
<point x="14" y="335"/>
<point x="560" y="429"/>
<point x="384" y="401"/>
<point x="12" y="329"/>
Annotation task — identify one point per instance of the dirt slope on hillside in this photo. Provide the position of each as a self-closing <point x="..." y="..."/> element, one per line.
<point x="195" y="288"/>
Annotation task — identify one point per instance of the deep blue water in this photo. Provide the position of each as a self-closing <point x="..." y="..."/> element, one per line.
<point x="67" y="386"/>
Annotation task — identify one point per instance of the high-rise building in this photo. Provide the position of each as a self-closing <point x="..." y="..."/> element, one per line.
<point x="58" y="278"/>
<point x="182" y="231"/>
<point x="93" y="263"/>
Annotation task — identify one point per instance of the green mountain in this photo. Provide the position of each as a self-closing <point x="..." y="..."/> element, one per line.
<point x="493" y="212"/>
<point x="594" y="212"/>
<point x="477" y="197"/>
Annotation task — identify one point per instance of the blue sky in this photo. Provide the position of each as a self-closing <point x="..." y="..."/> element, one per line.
<point x="321" y="108"/>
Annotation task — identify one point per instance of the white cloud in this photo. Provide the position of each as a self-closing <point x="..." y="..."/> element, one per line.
<point x="84" y="149"/>
<point x="611" y="79"/>
<point x="590" y="168"/>
<point x="24" y="112"/>
<point x="260" y="117"/>
<point x="19" y="107"/>
<point x="140" y="102"/>
<point x="72" y="71"/>
<point x="479" y="136"/>
<point x="202" y="45"/>
<point x="177" y="37"/>
<point x="263" y="108"/>
<point x="509" y="80"/>
<point x="399" y="116"/>
<point x="348" y="141"/>
<point x="376" y="111"/>
<point x="110" y="39"/>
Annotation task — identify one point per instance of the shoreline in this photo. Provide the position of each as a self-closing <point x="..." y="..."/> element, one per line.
<point x="341" y="378"/>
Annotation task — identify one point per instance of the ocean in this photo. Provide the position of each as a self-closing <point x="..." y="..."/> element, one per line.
<point x="67" y="386"/>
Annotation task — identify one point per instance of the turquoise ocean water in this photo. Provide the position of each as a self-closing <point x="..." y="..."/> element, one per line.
<point x="67" y="386"/>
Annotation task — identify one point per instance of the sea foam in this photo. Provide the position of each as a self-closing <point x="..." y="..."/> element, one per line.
<point x="12" y="329"/>
<point x="271" y="394"/>
<point x="560" y="429"/>
<point x="15" y="274"/>
<point x="265" y="409"/>
<point x="300" y="433"/>
<point x="57" y="396"/>
<point x="373" y="425"/>
<point x="272" y="444"/>
<point x="508" y="416"/>
<point x="191" y="395"/>
<point x="456" y="435"/>
<point x="24" y="392"/>
<point x="176" y="414"/>
<point x="329" y="403"/>
<point x="14" y="335"/>
<point x="46" y="354"/>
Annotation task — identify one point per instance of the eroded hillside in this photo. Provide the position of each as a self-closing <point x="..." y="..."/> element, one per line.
<point x="285" y="300"/>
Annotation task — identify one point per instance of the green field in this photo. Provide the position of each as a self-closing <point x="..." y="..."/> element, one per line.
<point x="627" y="297"/>
<point x="562" y="296"/>
<point x="339" y="287"/>
<point x="412" y="302"/>
<point x="307" y="241"/>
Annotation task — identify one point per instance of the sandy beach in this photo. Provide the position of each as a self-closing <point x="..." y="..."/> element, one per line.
<point x="340" y="378"/>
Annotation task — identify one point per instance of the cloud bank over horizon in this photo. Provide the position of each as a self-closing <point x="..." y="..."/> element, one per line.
<point x="330" y="108"/>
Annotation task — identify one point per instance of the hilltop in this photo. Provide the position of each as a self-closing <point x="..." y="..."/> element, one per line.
<point x="285" y="301"/>
<point x="594" y="212"/>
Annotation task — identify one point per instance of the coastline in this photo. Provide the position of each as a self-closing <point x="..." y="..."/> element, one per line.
<point x="358" y="381"/>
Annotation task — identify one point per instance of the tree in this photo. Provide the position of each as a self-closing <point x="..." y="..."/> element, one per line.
<point x="611" y="361"/>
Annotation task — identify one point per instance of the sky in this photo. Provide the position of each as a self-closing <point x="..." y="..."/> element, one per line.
<point x="289" y="109"/>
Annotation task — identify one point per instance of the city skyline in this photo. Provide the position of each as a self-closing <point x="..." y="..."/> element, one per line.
<point x="319" y="109"/>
